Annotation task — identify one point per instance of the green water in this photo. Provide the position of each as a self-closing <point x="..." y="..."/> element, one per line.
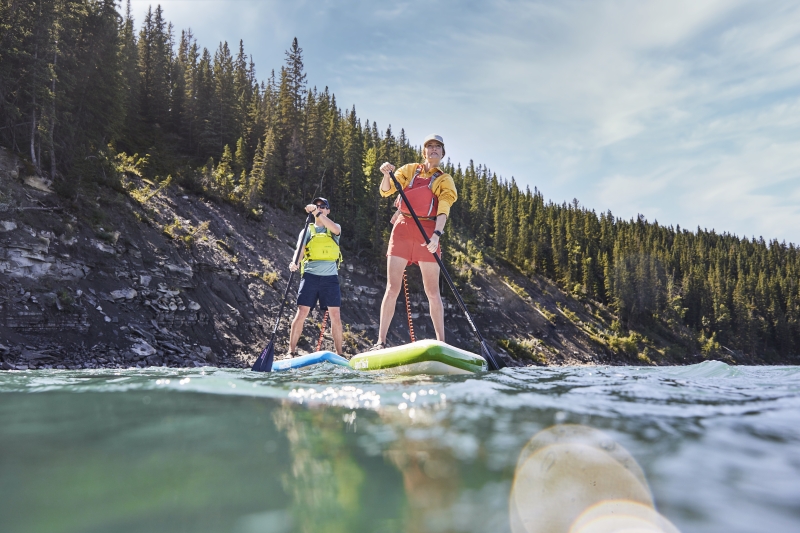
<point x="328" y="449"/>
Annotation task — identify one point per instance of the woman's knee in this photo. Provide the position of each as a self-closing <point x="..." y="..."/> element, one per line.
<point x="434" y="298"/>
<point x="393" y="290"/>
<point x="431" y="287"/>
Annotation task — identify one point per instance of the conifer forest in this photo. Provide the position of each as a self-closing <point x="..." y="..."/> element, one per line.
<point x="88" y="95"/>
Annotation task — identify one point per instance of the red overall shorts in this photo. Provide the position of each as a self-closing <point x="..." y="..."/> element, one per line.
<point x="406" y="240"/>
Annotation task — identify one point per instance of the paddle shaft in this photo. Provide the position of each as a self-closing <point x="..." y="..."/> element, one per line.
<point x="258" y="362"/>
<point x="309" y="220"/>
<point x="490" y="359"/>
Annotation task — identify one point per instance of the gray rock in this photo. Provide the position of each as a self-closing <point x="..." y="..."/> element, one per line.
<point x="143" y="349"/>
<point x="171" y="346"/>
<point x="185" y="270"/>
<point x="103" y="247"/>
<point x="128" y="294"/>
<point x="209" y="355"/>
<point x="33" y="355"/>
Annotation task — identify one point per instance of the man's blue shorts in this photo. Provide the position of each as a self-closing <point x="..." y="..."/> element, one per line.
<point x="322" y="288"/>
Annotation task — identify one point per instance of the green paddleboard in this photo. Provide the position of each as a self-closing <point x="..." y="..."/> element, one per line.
<point x="421" y="357"/>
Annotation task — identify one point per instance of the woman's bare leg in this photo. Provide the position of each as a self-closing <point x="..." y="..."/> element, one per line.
<point x="430" y="280"/>
<point x="394" y="282"/>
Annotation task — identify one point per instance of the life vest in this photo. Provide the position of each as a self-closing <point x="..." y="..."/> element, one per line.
<point x="322" y="247"/>
<point x="419" y="192"/>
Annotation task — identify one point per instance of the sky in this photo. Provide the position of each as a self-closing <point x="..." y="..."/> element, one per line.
<point x="687" y="112"/>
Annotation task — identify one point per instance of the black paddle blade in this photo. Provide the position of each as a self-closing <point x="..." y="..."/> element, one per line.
<point x="265" y="360"/>
<point x="495" y="363"/>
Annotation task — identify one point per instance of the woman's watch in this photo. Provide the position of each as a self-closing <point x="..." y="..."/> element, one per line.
<point x="437" y="232"/>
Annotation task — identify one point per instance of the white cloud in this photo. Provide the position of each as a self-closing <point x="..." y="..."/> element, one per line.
<point x="686" y="111"/>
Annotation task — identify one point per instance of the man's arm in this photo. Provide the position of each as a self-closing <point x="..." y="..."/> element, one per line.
<point x="329" y="224"/>
<point x="301" y="246"/>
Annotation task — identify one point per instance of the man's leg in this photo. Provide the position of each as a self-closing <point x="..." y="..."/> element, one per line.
<point x="336" y="328"/>
<point x="430" y="280"/>
<point x="297" y="326"/>
<point x="394" y="282"/>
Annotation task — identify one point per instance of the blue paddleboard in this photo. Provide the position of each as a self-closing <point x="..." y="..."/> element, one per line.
<point x="308" y="360"/>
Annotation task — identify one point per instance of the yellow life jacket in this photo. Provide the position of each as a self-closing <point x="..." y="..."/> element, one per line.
<point x="322" y="247"/>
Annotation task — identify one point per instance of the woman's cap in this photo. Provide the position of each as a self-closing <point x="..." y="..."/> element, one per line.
<point x="433" y="137"/>
<point x="323" y="200"/>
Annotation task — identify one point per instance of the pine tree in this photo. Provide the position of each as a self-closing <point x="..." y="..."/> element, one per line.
<point x="224" y="176"/>
<point x="222" y="124"/>
<point x="131" y="139"/>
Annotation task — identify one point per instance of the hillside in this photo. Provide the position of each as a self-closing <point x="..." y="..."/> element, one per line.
<point x="110" y="114"/>
<point x="156" y="275"/>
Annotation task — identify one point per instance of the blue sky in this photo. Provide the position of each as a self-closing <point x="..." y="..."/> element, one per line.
<point x="685" y="111"/>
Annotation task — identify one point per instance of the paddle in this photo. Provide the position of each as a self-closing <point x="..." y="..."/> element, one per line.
<point x="265" y="360"/>
<point x="487" y="353"/>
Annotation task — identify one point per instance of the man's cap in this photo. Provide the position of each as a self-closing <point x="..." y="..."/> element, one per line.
<point x="321" y="199"/>
<point x="433" y="137"/>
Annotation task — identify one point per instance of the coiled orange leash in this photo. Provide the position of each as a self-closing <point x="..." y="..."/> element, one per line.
<point x="408" y="308"/>
<point x="322" y="330"/>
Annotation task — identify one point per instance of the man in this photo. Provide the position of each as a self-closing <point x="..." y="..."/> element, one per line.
<point x="320" y="273"/>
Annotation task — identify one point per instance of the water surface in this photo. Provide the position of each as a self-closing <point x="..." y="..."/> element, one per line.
<point x="715" y="448"/>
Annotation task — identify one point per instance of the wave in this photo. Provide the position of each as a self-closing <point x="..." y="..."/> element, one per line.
<point x="706" y="369"/>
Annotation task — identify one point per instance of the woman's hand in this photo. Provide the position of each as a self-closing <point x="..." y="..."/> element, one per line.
<point x="386" y="183"/>
<point x="293" y="266"/>
<point x="386" y="168"/>
<point x="433" y="245"/>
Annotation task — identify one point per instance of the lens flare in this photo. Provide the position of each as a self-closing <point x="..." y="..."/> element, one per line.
<point x="575" y="479"/>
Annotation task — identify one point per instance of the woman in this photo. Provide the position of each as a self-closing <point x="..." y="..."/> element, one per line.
<point x="431" y="192"/>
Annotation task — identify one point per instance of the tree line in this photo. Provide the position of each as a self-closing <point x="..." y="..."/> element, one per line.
<point x="82" y="85"/>
<point x="733" y="293"/>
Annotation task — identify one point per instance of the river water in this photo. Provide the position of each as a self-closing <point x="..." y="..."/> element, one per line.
<point x="703" y="448"/>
